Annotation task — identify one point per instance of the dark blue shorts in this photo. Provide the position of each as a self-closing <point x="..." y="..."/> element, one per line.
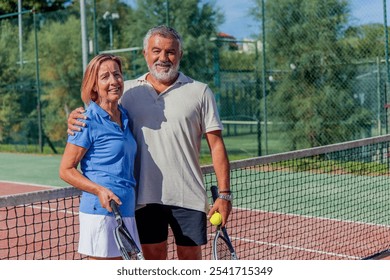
<point x="188" y="226"/>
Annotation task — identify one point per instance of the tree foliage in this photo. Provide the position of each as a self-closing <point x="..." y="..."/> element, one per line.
<point x="365" y="42"/>
<point x="312" y="94"/>
<point x="312" y="58"/>
<point x="59" y="51"/>
<point x="61" y="74"/>
<point x="10" y="99"/>
<point x="41" y="6"/>
<point x="187" y="17"/>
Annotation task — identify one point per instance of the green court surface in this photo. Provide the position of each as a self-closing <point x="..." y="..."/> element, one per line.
<point x="43" y="169"/>
<point x="31" y="168"/>
<point x="347" y="197"/>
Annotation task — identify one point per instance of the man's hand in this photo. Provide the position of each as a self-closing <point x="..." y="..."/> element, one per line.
<point x="224" y="207"/>
<point x="73" y="120"/>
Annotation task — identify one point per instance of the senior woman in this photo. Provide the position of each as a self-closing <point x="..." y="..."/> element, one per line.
<point x="106" y="153"/>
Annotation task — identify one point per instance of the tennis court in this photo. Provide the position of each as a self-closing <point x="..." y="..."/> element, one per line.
<point x="323" y="203"/>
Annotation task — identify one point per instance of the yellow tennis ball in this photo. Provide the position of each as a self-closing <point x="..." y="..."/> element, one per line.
<point x="216" y="219"/>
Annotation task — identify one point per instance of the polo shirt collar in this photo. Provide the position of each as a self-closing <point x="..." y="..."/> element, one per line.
<point x="101" y="112"/>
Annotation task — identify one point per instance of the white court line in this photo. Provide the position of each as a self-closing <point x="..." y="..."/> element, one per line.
<point x="312" y="217"/>
<point x="43" y="186"/>
<point x="28" y="184"/>
<point x="291" y="247"/>
<point x="295" y="248"/>
<point x="302" y="248"/>
<point x="55" y="210"/>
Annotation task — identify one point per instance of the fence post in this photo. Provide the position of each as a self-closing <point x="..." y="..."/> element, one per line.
<point x="387" y="62"/>
<point x="38" y="81"/>
<point x="264" y="77"/>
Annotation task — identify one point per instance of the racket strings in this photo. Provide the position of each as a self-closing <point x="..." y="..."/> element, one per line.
<point x="222" y="249"/>
<point x="127" y="245"/>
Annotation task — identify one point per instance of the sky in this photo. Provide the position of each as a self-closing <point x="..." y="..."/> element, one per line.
<point x="240" y="25"/>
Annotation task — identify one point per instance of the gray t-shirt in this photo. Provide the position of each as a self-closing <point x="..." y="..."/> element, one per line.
<point x="168" y="128"/>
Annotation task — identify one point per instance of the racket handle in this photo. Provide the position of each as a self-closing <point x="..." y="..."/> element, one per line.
<point x="114" y="207"/>
<point x="214" y="192"/>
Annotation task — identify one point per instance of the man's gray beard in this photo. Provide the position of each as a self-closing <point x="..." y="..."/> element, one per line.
<point x="164" y="76"/>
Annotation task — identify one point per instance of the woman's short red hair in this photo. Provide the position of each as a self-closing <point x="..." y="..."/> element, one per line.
<point x="89" y="83"/>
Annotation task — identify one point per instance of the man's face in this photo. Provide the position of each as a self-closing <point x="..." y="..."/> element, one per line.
<point x="163" y="56"/>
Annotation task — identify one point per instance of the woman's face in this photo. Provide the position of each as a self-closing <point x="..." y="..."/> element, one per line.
<point x="109" y="82"/>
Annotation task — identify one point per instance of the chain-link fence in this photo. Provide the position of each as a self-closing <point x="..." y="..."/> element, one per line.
<point x="313" y="75"/>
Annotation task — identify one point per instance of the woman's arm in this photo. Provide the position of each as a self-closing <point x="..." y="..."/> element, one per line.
<point x="69" y="173"/>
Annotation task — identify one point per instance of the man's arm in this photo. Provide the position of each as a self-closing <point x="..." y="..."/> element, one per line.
<point x="74" y="124"/>
<point x="222" y="172"/>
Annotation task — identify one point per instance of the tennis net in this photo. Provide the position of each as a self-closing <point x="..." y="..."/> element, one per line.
<point x="330" y="202"/>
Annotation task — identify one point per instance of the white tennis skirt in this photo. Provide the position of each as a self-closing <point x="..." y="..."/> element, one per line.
<point x="97" y="235"/>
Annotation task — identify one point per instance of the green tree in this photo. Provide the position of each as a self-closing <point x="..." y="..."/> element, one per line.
<point x="313" y="94"/>
<point x="195" y="20"/>
<point x="19" y="113"/>
<point x="60" y="73"/>
<point x="239" y="85"/>
<point x="365" y="42"/>
<point x="10" y="94"/>
<point x="39" y="6"/>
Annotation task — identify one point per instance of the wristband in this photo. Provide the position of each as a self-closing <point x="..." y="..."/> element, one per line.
<point x="225" y="191"/>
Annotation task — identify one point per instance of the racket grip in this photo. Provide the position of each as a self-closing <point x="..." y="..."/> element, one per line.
<point x="214" y="192"/>
<point x="114" y="207"/>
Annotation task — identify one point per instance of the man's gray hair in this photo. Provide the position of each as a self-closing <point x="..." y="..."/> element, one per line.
<point x="163" y="31"/>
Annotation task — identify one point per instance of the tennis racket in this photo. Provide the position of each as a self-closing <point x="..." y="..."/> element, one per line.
<point x="126" y="244"/>
<point x="222" y="246"/>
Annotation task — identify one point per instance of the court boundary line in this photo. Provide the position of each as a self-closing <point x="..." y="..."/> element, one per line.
<point x="54" y="210"/>
<point x="294" y="248"/>
<point x="312" y="217"/>
<point x="28" y="184"/>
<point x="297" y="248"/>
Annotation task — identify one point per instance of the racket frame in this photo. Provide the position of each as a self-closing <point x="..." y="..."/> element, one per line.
<point x="121" y="230"/>
<point x="224" y="236"/>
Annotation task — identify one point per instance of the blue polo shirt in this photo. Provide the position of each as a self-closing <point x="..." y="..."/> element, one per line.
<point x="109" y="160"/>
